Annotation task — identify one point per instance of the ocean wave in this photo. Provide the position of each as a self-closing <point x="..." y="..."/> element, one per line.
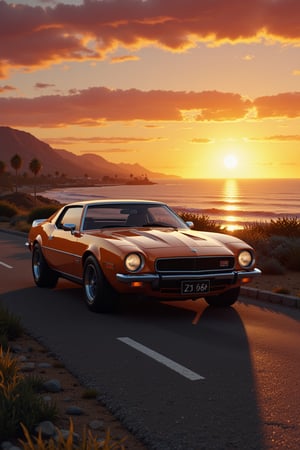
<point x="238" y="214"/>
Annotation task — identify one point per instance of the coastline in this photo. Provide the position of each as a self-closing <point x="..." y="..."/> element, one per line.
<point x="229" y="202"/>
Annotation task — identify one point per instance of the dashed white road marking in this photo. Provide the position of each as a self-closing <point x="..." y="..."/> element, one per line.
<point x="5" y="265"/>
<point x="184" y="371"/>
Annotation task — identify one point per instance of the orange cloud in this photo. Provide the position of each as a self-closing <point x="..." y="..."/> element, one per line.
<point x="280" y="105"/>
<point x="99" y="105"/>
<point x="94" y="106"/>
<point x="121" y="59"/>
<point x="68" y="140"/>
<point x="91" y="30"/>
<point x="278" y="138"/>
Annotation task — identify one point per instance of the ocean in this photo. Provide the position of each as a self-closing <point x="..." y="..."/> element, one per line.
<point x="231" y="202"/>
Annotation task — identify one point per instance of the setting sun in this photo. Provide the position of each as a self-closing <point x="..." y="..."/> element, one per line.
<point x="230" y="161"/>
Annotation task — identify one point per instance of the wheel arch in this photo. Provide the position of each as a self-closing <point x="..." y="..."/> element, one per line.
<point x="86" y="255"/>
<point x="36" y="241"/>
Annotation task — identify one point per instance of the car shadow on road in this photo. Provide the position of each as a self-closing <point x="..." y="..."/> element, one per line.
<point x="212" y="342"/>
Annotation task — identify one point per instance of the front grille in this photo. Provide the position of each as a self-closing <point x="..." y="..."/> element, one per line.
<point x="195" y="264"/>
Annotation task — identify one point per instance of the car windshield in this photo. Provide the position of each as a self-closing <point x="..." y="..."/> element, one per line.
<point x="131" y="215"/>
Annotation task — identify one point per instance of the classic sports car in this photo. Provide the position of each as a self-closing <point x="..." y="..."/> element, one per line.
<point x="137" y="247"/>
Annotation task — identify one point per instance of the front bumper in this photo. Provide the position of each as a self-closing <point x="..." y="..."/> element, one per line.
<point x="232" y="277"/>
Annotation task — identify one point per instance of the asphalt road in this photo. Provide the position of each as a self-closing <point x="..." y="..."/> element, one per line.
<point x="180" y="376"/>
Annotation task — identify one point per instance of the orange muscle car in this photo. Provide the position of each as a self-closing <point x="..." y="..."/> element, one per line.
<point x="115" y="247"/>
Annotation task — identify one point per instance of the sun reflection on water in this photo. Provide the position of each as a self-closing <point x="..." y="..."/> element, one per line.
<point x="231" y="204"/>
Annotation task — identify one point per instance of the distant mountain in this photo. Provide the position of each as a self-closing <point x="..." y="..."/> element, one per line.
<point x="60" y="161"/>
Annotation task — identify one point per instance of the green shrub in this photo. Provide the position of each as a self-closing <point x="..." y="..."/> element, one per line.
<point x="19" y="399"/>
<point x="7" y="209"/>
<point x="3" y="341"/>
<point x="41" y="213"/>
<point x="90" y="393"/>
<point x="254" y="234"/>
<point x="285" y="226"/>
<point x="10" y="325"/>
<point x="271" y="266"/>
<point x="282" y="226"/>
<point x="286" y="250"/>
<point x="293" y="262"/>
<point x="201" y="222"/>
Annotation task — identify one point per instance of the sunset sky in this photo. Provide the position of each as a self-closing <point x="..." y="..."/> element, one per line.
<point x="195" y="88"/>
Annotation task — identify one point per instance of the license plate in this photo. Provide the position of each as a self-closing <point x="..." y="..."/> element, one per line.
<point x="195" y="287"/>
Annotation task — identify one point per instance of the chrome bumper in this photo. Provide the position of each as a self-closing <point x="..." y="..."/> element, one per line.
<point x="150" y="277"/>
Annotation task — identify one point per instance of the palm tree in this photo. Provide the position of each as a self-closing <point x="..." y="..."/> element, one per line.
<point x="35" y="166"/>
<point x="16" y="163"/>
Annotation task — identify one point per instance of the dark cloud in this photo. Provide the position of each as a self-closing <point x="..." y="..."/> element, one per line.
<point x="91" y="30"/>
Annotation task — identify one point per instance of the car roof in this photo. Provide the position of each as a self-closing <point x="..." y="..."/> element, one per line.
<point x="115" y="202"/>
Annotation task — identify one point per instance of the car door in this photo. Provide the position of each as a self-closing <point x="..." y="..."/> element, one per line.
<point x="63" y="250"/>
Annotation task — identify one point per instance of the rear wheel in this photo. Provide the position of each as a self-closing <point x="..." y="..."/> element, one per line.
<point x="42" y="274"/>
<point x="228" y="298"/>
<point x="99" y="295"/>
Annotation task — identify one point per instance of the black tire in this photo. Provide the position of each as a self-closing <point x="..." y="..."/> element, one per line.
<point x="42" y="274"/>
<point x="228" y="298"/>
<point x="98" y="294"/>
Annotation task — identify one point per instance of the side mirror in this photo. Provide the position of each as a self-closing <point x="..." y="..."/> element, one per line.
<point x="69" y="227"/>
<point x="190" y="224"/>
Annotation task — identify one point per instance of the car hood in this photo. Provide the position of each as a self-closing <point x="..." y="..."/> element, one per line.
<point x="189" y="241"/>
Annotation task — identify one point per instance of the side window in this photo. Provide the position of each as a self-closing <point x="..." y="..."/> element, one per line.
<point x="70" y="215"/>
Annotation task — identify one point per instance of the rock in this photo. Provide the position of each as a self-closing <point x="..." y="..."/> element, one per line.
<point x="74" y="411"/>
<point x="66" y="433"/>
<point x="52" y="386"/>
<point x="96" y="425"/>
<point x="27" y="367"/>
<point x="6" y="445"/>
<point x="22" y="358"/>
<point x="46" y="428"/>
<point x="15" y="348"/>
<point x="44" y="365"/>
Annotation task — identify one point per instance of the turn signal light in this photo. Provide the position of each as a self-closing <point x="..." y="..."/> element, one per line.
<point x="136" y="284"/>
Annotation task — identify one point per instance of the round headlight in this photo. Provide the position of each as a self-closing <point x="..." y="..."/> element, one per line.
<point x="245" y="258"/>
<point x="133" y="262"/>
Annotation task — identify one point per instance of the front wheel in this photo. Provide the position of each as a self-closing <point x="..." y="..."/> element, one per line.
<point x="228" y="298"/>
<point x="98" y="294"/>
<point x="42" y="274"/>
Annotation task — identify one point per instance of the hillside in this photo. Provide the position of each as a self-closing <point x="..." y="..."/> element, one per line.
<point x="14" y="141"/>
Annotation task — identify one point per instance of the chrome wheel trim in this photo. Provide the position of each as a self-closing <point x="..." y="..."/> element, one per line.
<point x="90" y="284"/>
<point x="36" y="266"/>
